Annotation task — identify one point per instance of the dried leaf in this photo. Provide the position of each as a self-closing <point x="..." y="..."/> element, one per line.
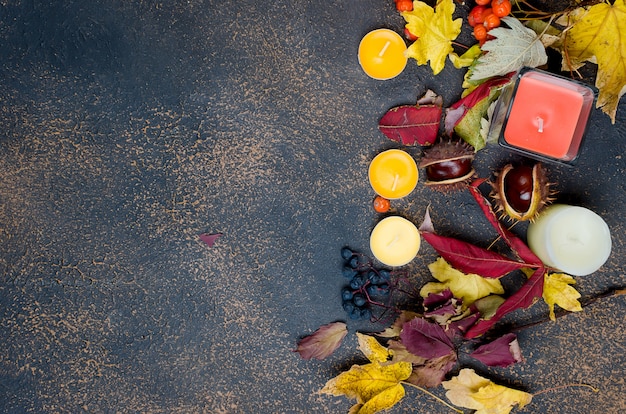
<point x="372" y="349"/>
<point x="467" y="287"/>
<point x="210" y="238"/>
<point x="511" y="49"/>
<point x="472" y="391"/>
<point x="523" y="298"/>
<point x="557" y="291"/>
<point x="469" y="258"/>
<point x="322" y="342"/>
<point x="376" y="387"/>
<point x="435" y="30"/>
<point x="394" y="330"/>
<point x="425" y="339"/>
<point x="412" y="125"/>
<point x="469" y="126"/>
<point x="598" y="34"/>
<point x="433" y="371"/>
<point x="502" y="352"/>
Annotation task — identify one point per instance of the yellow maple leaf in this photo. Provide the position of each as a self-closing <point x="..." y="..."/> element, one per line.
<point x="598" y="34"/>
<point x="557" y="290"/>
<point x="372" y="349"/>
<point x="470" y="390"/>
<point x="468" y="287"/>
<point x="376" y="387"/>
<point x="435" y="31"/>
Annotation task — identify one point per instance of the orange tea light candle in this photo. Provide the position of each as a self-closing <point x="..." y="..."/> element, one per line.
<point x="381" y="54"/>
<point x="395" y="241"/>
<point x="547" y="116"/>
<point x="393" y="174"/>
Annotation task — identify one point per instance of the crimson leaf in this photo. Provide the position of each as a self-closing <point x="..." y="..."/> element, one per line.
<point x="502" y="352"/>
<point x="425" y="339"/>
<point x="412" y="124"/>
<point x="523" y="298"/>
<point x="515" y="243"/>
<point x="469" y="258"/>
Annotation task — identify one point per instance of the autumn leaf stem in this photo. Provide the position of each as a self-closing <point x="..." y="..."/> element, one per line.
<point x="594" y="389"/>
<point x="433" y="396"/>
<point x="461" y="45"/>
<point x="590" y="301"/>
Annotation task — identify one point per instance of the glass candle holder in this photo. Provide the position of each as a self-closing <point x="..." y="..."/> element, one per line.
<point x="543" y="116"/>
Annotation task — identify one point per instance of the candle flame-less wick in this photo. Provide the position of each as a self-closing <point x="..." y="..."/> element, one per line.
<point x="393" y="241"/>
<point x="540" y="123"/>
<point x="384" y="49"/>
<point x="395" y="182"/>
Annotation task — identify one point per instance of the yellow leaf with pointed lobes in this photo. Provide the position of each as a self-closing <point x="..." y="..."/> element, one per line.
<point x="557" y="291"/>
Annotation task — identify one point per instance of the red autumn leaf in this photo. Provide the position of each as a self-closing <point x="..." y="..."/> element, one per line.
<point x="412" y="124"/>
<point x="322" y="342"/>
<point x="458" y="328"/>
<point x="523" y="298"/>
<point x="209" y="238"/>
<point x="469" y="258"/>
<point x="515" y="243"/>
<point x="456" y="112"/>
<point x="433" y="371"/>
<point x="502" y="352"/>
<point x="425" y="339"/>
<point x="435" y="300"/>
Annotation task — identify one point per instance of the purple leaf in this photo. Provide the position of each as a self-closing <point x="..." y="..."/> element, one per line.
<point x="433" y="371"/>
<point x="209" y="238"/>
<point x="502" y="352"/>
<point x="458" y="328"/>
<point x="437" y="299"/>
<point x="425" y="339"/>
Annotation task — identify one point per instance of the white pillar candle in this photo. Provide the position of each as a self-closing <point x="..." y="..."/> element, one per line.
<point x="572" y="239"/>
<point x="395" y="241"/>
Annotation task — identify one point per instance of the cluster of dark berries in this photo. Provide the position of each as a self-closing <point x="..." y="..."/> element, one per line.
<point x="366" y="283"/>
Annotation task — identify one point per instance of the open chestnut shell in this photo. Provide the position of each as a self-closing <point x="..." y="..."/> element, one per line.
<point x="521" y="192"/>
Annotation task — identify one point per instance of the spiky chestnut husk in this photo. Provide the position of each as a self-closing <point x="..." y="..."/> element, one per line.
<point x="448" y="165"/>
<point x="522" y="192"/>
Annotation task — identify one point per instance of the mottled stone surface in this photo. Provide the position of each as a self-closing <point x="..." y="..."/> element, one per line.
<point x="127" y="128"/>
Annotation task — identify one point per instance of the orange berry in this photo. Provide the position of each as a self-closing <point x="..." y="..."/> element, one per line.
<point x="491" y="21"/>
<point x="483" y="2"/>
<point x="404" y="5"/>
<point x="476" y="16"/>
<point x="480" y="33"/>
<point x="501" y="8"/>
<point x="381" y="204"/>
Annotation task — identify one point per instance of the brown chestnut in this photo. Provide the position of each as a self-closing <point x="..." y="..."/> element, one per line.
<point x="448" y="165"/>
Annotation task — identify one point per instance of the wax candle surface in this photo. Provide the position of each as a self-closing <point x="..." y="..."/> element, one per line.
<point x="395" y="241"/>
<point x="381" y="54"/>
<point x="393" y="174"/>
<point x="572" y="239"/>
<point x="544" y="117"/>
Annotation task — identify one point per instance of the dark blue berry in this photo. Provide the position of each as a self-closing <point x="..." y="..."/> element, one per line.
<point x="355" y="314"/>
<point x="373" y="277"/>
<point x="346" y="253"/>
<point x="357" y="282"/>
<point x="346" y="294"/>
<point x="348" y="272"/>
<point x="365" y="313"/>
<point x="353" y="262"/>
<point x="378" y="290"/>
<point x="384" y="274"/>
<point x="359" y="299"/>
<point x="348" y="306"/>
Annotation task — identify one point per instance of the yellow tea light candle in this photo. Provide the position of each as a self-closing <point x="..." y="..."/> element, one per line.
<point x="393" y="174"/>
<point x="381" y="54"/>
<point x="395" y="241"/>
<point x="572" y="239"/>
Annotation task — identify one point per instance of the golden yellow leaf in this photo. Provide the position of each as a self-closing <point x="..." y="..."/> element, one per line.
<point x="557" y="290"/>
<point x="598" y="35"/>
<point x="470" y="390"/>
<point x="435" y="30"/>
<point x="376" y="387"/>
<point x="372" y="349"/>
<point x="468" y="287"/>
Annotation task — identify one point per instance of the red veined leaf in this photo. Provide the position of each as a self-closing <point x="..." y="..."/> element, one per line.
<point x="425" y="339"/>
<point x="515" y="243"/>
<point x="412" y="124"/>
<point x="469" y="258"/>
<point x="323" y="342"/>
<point x="502" y="352"/>
<point x="523" y="298"/>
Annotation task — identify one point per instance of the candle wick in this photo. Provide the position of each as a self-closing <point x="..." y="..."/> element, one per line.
<point x="384" y="49"/>
<point x="393" y="241"/>
<point x="395" y="182"/>
<point x="540" y="122"/>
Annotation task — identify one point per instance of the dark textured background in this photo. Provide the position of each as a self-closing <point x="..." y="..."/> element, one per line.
<point x="130" y="127"/>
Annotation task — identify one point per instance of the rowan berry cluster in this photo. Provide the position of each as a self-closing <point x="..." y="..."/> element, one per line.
<point x="486" y="15"/>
